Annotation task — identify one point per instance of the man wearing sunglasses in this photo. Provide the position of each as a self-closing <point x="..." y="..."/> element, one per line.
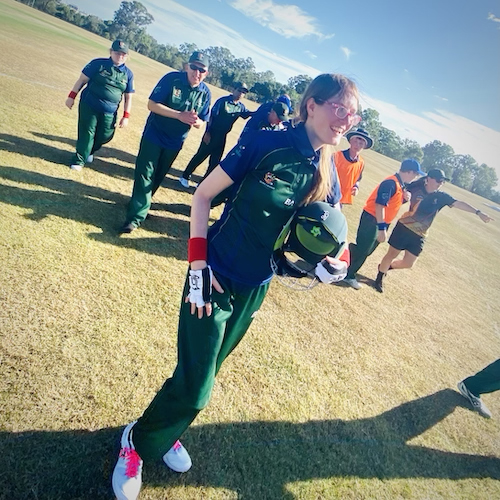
<point x="179" y="101"/>
<point x="223" y="115"/>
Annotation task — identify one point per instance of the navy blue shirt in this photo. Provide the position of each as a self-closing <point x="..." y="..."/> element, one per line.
<point x="224" y="113"/>
<point x="272" y="176"/>
<point x="386" y="190"/>
<point x="174" y="91"/>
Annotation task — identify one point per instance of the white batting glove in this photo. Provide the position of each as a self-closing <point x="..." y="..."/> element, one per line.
<point x="200" y="286"/>
<point x="328" y="272"/>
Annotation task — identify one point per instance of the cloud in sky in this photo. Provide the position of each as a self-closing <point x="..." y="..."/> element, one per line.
<point x="463" y="135"/>
<point x="441" y="98"/>
<point x="172" y="18"/>
<point x="289" y="21"/>
<point x="492" y="17"/>
<point x="310" y="54"/>
<point x="347" y="52"/>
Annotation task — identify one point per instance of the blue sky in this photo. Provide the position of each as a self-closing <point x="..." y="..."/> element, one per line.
<point x="430" y="68"/>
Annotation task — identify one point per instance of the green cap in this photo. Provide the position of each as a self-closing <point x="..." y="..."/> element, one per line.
<point x="119" y="46"/>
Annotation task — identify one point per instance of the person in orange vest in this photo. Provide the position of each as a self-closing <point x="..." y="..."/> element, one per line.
<point x="379" y="211"/>
<point x="350" y="165"/>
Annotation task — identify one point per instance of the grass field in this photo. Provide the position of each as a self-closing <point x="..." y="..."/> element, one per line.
<point x="334" y="393"/>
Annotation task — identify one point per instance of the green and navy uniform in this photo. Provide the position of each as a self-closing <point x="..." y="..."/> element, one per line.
<point x="163" y="138"/>
<point x="259" y="121"/>
<point x="413" y="226"/>
<point x="99" y="104"/>
<point x="272" y="176"/>
<point x="223" y="115"/>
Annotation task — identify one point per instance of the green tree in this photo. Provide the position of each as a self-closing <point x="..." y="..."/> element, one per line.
<point x="412" y="149"/>
<point x="390" y="144"/>
<point x="370" y="121"/>
<point x="485" y="179"/>
<point x="464" y="168"/>
<point x="299" y="83"/>
<point x="438" y="155"/>
<point x="129" y="20"/>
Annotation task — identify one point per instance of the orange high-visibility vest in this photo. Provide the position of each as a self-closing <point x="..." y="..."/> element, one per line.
<point x="348" y="174"/>
<point x="392" y="208"/>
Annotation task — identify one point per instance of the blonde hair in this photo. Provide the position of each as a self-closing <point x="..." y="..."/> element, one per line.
<point x="322" y="88"/>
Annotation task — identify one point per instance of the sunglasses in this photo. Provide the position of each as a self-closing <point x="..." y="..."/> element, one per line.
<point x="197" y="68"/>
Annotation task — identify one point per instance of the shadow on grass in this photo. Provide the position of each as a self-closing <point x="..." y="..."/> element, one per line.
<point x="254" y="459"/>
<point x="94" y="206"/>
<point x="34" y="149"/>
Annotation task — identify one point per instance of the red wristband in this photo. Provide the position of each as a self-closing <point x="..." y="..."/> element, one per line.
<point x="72" y="94"/>
<point x="197" y="249"/>
<point x="126" y="114"/>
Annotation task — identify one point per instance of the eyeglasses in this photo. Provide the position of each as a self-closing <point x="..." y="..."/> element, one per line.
<point x="341" y="112"/>
<point x="197" y="68"/>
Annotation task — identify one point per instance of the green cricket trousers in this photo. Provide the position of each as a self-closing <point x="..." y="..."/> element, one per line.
<point x="151" y="166"/>
<point x="202" y="346"/>
<point x="366" y="243"/>
<point x="487" y="380"/>
<point x="94" y="130"/>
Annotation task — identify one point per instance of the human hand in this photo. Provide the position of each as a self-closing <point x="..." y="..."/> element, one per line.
<point x="406" y="195"/>
<point x="201" y="282"/>
<point x="123" y="122"/>
<point x="206" y="138"/>
<point x="69" y="102"/>
<point x="354" y="191"/>
<point x="485" y="217"/>
<point x="188" y="117"/>
<point x="331" y="270"/>
<point x="381" y="235"/>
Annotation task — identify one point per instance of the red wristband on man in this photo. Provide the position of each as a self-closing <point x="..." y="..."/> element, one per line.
<point x="197" y="249"/>
<point x="72" y="94"/>
<point x="126" y="114"/>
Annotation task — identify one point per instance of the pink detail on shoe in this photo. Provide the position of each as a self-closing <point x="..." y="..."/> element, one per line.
<point x="133" y="461"/>
<point x="177" y="445"/>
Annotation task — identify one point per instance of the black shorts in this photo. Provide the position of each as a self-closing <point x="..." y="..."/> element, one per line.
<point x="403" y="238"/>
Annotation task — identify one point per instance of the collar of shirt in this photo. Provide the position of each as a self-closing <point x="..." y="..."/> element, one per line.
<point x="300" y="140"/>
<point x="121" y="67"/>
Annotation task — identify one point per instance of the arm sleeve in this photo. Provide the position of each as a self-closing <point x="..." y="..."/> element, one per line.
<point x="240" y="160"/>
<point x="130" y="85"/>
<point x="385" y="192"/>
<point x="446" y="200"/>
<point x="162" y="89"/>
<point x="91" y="68"/>
<point x="335" y="195"/>
<point x="204" y="114"/>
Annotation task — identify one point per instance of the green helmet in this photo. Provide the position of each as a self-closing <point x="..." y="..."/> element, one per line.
<point x="316" y="231"/>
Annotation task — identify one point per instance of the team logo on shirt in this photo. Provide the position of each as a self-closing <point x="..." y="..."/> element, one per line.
<point x="176" y="93"/>
<point x="269" y="178"/>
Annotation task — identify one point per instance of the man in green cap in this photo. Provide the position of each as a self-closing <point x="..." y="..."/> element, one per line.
<point x="105" y="81"/>
<point x="179" y="101"/>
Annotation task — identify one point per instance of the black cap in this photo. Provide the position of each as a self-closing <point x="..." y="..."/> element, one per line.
<point x="119" y="46"/>
<point x="437" y="174"/>
<point x="281" y="110"/>
<point x="242" y="87"/>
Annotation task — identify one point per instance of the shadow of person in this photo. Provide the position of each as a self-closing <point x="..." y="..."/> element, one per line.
<point x="34" y="149"/>
<point x="90" y="205"/>
<point x="255" y="459"/>
<point x="105" y="152"/>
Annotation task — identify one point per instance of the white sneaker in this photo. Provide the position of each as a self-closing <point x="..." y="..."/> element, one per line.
<point x="90" y="158"/>
<point x="475" y="401"/>
<point x="353" y="282"/>
<point x="184" y="182"/>
<point x="177" y="458"/>
<point x="76" y="167"/>
<point x="127" y="476"/>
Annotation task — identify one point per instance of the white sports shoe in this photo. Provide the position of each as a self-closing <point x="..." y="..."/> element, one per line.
<point x="127" y="476"/>
<point x="76" y="167"/>
<point x="184" y="182"/>
<point x="90" y="158"/>
<point x="475" y="401"/>
<point x="353" y="282"/>
<point x="177" y="458"/>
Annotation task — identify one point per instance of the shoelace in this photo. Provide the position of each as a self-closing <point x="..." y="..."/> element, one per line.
<point x="133" y="461"/>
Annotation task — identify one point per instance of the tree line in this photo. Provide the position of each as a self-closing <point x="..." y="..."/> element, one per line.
<point x="131" y="19"/>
